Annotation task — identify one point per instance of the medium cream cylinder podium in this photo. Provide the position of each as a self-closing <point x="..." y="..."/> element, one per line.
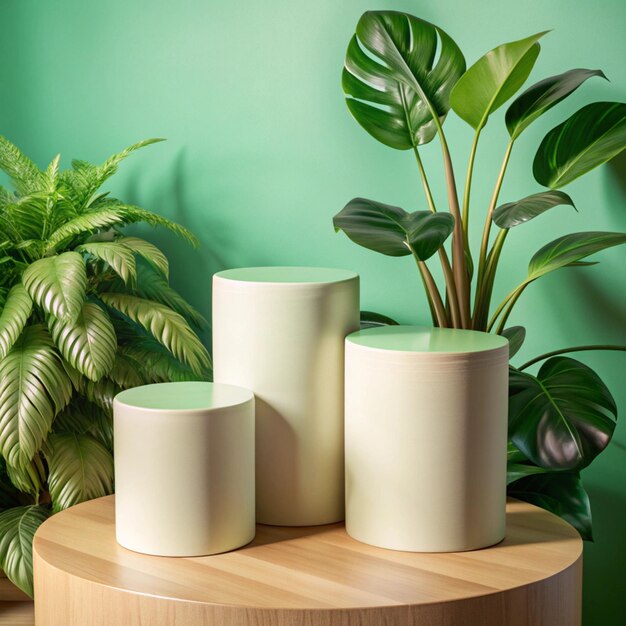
<point x="426" y="436"/>
<point x="280" y="332"/>
<point x="184" y="468"/>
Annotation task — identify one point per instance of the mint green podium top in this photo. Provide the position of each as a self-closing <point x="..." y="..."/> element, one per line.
<point x="425" y="339"/>
<point x="184" y="396"/>
<point x="287" y="274"/>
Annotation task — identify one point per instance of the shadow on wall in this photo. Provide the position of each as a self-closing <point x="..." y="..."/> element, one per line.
<point x="190" y="269"/>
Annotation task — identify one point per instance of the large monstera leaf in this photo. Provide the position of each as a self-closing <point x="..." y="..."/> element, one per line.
<point x="391" y="230"/>
<point x="89" y="343"/>
<point x="563" y="417"/>
<point x="81" y="468"/>
<point x="17" y="529"/>
<point x="34" y="387"/>
<point x="395" y="89"/>
<point x="57" y="284"/>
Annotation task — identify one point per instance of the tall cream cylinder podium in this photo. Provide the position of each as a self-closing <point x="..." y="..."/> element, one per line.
<point x="280" y="332"/>
<point x="184" y="468"/>
<point x="426" y="437"/>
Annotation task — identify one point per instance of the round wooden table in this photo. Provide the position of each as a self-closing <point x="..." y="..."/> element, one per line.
<point x="311" y="576"/>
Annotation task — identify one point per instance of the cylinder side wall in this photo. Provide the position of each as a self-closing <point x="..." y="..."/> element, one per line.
<point x="286" y="343"/>
<point x="184" y="481"/>
<point x="425" y="449"/>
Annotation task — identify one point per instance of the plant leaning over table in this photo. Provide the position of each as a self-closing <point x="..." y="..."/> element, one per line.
<point x="401" y="77"/>
<point x="85" y="311"/>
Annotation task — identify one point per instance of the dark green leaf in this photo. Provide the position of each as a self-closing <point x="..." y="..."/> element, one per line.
<point x="593" y="135"/>
<point x="369" y="319"/>
<point x="514" y="213"/>
<point x="562" y="418"/>
<point x="395" y="89"/>
<point x="561" y="493"/>
<point x="57" y="284"/>
<point x="515" y="471"/>
<point x="516" y="336"/>
<point x="81" y="468"/>
<point x="391" y="230"/>
<point x="17" y="529"/>
<point x="542" y="96"/>
<point x="34" y="387"/>
<point x="165" y="325"/>
<point x="570" y="249"/>
<point x="493" y="79"/>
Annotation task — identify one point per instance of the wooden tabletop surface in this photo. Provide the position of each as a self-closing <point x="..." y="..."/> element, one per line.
<point x="309" y="568"/>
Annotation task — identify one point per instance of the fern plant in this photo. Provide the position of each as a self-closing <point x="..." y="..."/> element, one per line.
<point x="85" y="311"/>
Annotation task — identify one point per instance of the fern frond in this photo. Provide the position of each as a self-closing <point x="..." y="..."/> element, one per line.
<point x="25" y="175"/>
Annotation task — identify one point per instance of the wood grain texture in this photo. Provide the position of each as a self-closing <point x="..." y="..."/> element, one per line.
<point x="311" y="576"/>
<point x="17" y="614"/>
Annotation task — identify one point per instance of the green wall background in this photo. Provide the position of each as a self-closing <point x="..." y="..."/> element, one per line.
<point x="262" y="152"/>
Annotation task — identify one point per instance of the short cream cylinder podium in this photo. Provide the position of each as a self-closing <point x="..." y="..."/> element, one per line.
<point x="426" y="435"/>
<point x="280" y="332"/>
<point x="184" y="468"/>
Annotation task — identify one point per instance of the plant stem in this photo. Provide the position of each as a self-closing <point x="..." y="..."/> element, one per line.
<point x="434" y="298"/>
<point x="468" y="184"/>
<point x="443" y="255"/>
<point x="482" y="257"/>
<point x="485" y="289"/>
<point x="513" y="295"/>
<point x="509" y="309"/>
<point x="547" y="355"/>
<point x="459" y="265"/>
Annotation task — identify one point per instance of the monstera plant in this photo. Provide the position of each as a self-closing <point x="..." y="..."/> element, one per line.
<point x="401" y="78"/>
<point x="85" y="311"/>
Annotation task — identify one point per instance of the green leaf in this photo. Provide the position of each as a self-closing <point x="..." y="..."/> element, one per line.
<point x="394" y="88"/>
<point x="34" y="387"/>
<point x="17" y="309"/>
<point x="85" y="224"/>
<point x="514" y="213"/>
<point x="117" y="255"/>
<point x="563" y="417"/>
<point x="515" y="471"/>
<point x="561" y="493"/>
<point x="57" y="284"/>
<point x="591" y="136"/>
<point x="369" y="319"/>
<point x="166" y="326"/>
<point x="542" y="96"/>
<point x="17" y="529"/>
<point x="86" y="179"/>
<point x="28" y="478"/>
<point x="151" y="363"/>
<point x="149" y="252"/>
<point x="570" y="249"/>
<point x="391" y="230"/>
<point x="100" y="393"/>
<point x="23" y="172"/>
<point x="81" y="468"/>
<point x="153" y="286"/>
<point x="516" y="336"/>
<point x="493" y="79"/>
<point x="89" y="343"/>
